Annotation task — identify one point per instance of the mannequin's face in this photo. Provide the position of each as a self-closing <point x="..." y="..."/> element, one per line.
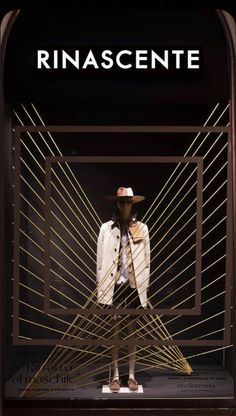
<point x="125" y="208"/>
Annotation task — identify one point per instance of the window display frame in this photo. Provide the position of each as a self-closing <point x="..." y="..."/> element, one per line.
<point x="160" y="407"/>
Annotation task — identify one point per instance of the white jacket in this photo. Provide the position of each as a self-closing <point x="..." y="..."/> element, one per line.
<point x="107" y="262"/>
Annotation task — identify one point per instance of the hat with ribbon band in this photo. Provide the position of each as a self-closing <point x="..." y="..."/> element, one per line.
<point x="126" y="194"/>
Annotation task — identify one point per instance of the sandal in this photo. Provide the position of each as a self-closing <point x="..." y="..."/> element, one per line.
<point x="132" y="384"/>
<point x="115" y="384"/>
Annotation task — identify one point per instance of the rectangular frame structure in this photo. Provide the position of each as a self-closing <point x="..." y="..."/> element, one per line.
<point x="17" y="340"/>
<point x="131" y="311"/>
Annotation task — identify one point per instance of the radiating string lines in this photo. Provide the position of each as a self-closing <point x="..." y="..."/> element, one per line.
<point x="76" y="219"/>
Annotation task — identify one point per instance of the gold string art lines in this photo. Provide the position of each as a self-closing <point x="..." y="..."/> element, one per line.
<point x="74" y="255"/>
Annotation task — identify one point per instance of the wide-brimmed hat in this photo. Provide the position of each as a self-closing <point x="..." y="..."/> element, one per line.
<point x="125" y="193"/>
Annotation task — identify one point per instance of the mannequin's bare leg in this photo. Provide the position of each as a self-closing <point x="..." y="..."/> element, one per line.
<point x="132" y="349"/>
<point x="115" y="350"/>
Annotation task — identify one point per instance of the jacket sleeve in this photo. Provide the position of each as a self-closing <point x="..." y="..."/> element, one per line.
<point x="147" y="251"/>
<point x="100" y="244"/>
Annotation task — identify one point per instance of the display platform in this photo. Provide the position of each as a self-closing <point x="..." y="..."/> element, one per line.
<point x="205" y="382"/>
<point x="106" y="389"/>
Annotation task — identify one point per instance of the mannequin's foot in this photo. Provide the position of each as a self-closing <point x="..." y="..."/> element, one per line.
<point x="132" y="384"/>
<point x="115" y="384"/>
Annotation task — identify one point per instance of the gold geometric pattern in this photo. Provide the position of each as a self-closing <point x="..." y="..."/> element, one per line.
<point x="89" y="361"/>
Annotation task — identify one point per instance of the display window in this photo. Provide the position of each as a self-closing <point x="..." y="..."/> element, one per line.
<point x="119" y="208"/>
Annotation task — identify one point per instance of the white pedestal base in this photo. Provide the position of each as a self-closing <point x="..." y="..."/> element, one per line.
<point x="106" y="389"/>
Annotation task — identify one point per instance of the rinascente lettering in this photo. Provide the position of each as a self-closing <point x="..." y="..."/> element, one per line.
<point x="124" y="59"/>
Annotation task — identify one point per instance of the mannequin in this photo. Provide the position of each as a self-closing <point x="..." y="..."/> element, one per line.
<point x="123" y="269"/>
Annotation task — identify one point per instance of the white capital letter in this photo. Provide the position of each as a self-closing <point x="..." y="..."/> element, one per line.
<point x="55" y="59"/>
<point x="193" y="58"/>
<point x="177" y="54"/>
<point x="107" y="58"/>
<point x="90" y="60"/>
<point x="42" y="57"/>
<point x="139" y="58"/>
<point x="163" y="62"/>
<point x="67" y="57"/>
<point x="123" y="52"/>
